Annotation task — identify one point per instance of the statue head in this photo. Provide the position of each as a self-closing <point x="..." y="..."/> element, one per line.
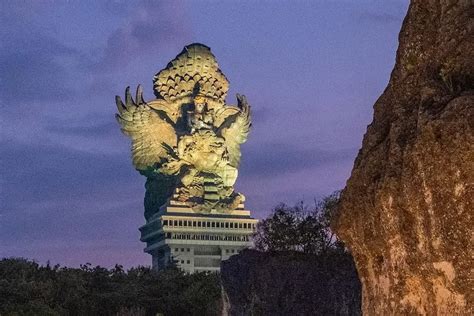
<point x="199" y="103"/>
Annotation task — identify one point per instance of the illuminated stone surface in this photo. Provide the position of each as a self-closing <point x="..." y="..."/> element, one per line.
<point x="406" y="212"/>
<point x="187" y="143"/>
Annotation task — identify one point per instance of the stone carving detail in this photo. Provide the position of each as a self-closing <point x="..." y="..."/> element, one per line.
<point x="187" y="140"/>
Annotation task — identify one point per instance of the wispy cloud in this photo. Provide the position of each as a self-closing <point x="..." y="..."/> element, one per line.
<point x="153" y="26"/>
<point x="272" y="159"/>
<point x="37" y="67"/>
<point x="35" y="173"/>
<point x="381" y="18"/>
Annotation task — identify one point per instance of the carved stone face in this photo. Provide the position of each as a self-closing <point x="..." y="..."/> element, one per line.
<point x="199" y="106"/>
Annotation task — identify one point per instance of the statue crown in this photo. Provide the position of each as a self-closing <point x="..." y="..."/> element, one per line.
<point x="195" y="67"/>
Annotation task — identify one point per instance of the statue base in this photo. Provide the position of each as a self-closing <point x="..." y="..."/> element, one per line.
<point x="196" y="241"/>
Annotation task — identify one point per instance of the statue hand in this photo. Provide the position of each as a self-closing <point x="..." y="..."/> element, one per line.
<point x="242" y="101"/>
<point x="130" y="105"/>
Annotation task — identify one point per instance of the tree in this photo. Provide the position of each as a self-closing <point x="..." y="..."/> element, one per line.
<point x="299" y="228"/>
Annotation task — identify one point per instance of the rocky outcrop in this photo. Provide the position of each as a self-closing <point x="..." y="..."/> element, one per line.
<point x="288" y="283"/>
<point x="406" y="212"/>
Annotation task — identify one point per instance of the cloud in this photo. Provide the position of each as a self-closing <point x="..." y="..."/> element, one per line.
<point x="272" y="159"/>
<point x="37" y="67"/>
<point x="96" y="129"/>
<point x="34" y="173"/>
<point x="154" y="25"/>
<point x="381" y="18"/>
<point x="386" y="12"/>
<point x="55" y="200"/>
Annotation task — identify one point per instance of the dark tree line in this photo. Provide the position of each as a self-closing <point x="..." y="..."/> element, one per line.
<point x="27" y="288"/>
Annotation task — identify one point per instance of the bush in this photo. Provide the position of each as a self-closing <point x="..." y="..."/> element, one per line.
<point x="299" y="228"/>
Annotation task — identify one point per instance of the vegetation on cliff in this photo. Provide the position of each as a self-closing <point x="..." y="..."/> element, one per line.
<point x="300" y="228"/>
<point x="300" y="267"/>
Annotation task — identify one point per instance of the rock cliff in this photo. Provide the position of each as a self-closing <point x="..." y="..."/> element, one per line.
<point x="289" y="283"/>
<point x="406" y="212"/>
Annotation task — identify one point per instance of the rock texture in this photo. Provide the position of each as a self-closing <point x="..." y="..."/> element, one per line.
<point x="288" y="283"/>
<point x="406" y="212"/>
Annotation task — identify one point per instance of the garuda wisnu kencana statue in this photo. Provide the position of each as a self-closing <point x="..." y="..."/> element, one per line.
<point x="187" y="140"/>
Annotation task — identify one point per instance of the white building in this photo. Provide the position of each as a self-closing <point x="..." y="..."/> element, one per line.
<point x="196" y="241"/>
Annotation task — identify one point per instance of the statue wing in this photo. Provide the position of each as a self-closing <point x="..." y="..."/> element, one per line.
<point x="149" y="129"/>
<point x="235" y="128"/>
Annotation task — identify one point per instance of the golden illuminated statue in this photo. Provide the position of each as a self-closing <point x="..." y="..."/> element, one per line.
<point x="187" y="140"/>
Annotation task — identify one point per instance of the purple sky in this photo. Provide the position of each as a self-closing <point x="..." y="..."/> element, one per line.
<point x="310" y="69"/>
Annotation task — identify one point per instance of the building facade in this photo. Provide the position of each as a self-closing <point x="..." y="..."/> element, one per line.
<point x="196" y="242"/>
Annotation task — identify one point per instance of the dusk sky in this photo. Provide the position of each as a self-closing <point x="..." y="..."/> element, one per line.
<point x="311" y="71"/>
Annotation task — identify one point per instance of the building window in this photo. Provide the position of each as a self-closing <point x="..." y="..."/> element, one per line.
<point x="176" y="249"/>
<point x="240" y="225"/>
<point x="182" y="261"/>
<point x="199" y="224"/>
<point x="194" y="224"/>
<point x="226" y="225"/>
<point x="245" y="225"/>
<point x="213" y="224"/>
<point x="188" y="250"/>
<point x="188" y="262"/>
<point x="165" y="222"/>
<point x="175" y="223"/>
<point x="231" y="225"/>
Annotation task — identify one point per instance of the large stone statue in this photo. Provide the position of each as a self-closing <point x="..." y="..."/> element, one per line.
<point x="187" y="140"/>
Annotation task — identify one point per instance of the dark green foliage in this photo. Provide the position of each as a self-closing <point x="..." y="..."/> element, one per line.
<point x="299" y="228"/>
<point x="300" y="268"/>
<point x="27" y="288"/>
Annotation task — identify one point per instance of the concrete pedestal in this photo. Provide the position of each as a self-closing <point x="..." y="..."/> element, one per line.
<point x="196" y="241"/>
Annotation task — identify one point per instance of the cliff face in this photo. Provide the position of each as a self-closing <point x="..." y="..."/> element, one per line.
<point x="256" y="283"/>
<point x="406" y="212"/>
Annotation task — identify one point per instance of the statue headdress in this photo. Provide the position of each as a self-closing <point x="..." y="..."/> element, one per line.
<point x="195" y="67"/>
